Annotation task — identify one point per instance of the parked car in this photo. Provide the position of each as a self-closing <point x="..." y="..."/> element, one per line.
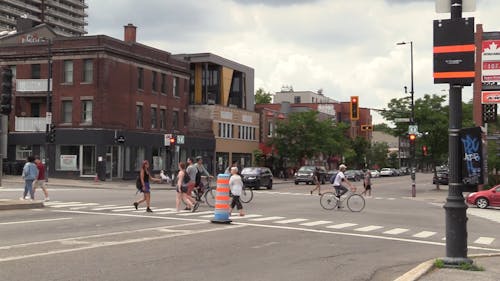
<point x="352" y="175"/>
<point x="441" y="177"/>
<point x="387" y="172"/>
<point x="484" y="198"/>
<point x="374" y="173"/>
<point x="255" y="177"/>
<point x="306" y="174"/>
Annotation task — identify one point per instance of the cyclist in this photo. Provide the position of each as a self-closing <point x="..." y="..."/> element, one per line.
<point x="200" y="168"/>
<point x="339" y="181"/>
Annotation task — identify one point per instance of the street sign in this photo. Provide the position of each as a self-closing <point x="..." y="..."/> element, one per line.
<point x="48" y="117"/>
<point x="401" y="120"/>
<point x="444" y="6"/>
<point x="120" y="139"/>
<point x="166" y="139"/>
<point x="413" y="129"/>
<point x="180" y="139"/>
<point x="490" y="97"/>
<point x="490" y="71"/>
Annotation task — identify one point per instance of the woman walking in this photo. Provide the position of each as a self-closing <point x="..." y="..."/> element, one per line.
<point x="316" y="181"/>
<point x="182" y="189"/>
<point x="145" y="176"/>
<point x="30" y="173"/>
<point x="236" y="186"/>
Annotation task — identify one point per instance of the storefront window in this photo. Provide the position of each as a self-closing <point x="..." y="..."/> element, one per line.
<point x="158" y="158"/>
<point x="67" y="157"/>
<point x="134" y="155"/>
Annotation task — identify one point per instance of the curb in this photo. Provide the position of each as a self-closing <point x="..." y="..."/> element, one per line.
<point x="6" y="204"/>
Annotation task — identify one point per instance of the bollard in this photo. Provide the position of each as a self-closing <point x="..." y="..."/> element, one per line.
<point x="222" y="208"/>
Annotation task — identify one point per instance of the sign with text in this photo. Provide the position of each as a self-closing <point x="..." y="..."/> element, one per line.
<point x="490" y="56"/>
<point x="490" y="97"/>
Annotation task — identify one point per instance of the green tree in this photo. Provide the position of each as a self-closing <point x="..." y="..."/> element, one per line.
<point x="304" y="136"/>
<point x="383" y="128"/>
<point x="261" y="97"/>
<point x="377" y="155"/>
<point x="360" y="147"/>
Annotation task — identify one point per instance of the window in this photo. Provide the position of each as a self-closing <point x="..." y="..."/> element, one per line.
<point x="153" y="81"/>
<point x="23" y="151"/>
<point x="68" y="71"/>
<point x="163" y="87"/>
<point x="163" y="119"/>
<point x="67" y="157"/>
<point x="134" y="155"/>
<point x="88" y="71"/>
<point x="35" y="71"/>
<point x="87" y="111"/>
<point x="270" y="128"/>
<point x="226" y="130"/>
<point x="185" y="120"/>
<point x="175" y="119"/>
<point x="175" y="87"/>
<point x="67" y="111"/>
<point x="154" y="121"/>
<point x="138" y="116"/>
<point x="140" y="78"/>
<point x="296" y="99"/>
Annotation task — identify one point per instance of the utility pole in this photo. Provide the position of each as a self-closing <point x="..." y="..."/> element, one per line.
<point x="48" y="114"/>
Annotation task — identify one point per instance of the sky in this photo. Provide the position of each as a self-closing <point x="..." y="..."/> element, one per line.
<point x="344" y="47"/>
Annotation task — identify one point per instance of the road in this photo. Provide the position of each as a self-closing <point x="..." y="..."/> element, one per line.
<point x="96" y="234"/>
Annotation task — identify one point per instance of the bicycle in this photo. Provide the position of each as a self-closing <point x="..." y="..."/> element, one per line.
<point x="206" y="192"/>
<point x="330" y="200"/>
<point x="246" y="194"/>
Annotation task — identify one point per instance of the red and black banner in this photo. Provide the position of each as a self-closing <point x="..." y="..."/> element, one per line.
<point x="454" y="51"/>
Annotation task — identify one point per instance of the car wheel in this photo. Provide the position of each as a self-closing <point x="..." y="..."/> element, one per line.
<point x="482" y="202"/>
<point x="296" y="183"/>
<point x="270" y="185"/>
<point x="323" y="180"/>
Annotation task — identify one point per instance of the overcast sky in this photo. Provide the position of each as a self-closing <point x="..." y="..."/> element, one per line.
<point x="345" y="47"/>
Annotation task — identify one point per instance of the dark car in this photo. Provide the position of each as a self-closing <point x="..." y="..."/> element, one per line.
<point x="306" y="174"/>
<point x="484" y="198"/>
<point x="441" y="177"/>
<point x="352" y="175"/>
<point x="255" y="177"/>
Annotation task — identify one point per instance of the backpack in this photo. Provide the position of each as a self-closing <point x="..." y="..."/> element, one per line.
<point x="138" y="183"/>
<point x="197" y="178"/>
<point x="186" y="178"/>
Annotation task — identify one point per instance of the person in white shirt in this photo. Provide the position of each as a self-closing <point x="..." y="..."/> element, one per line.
<point x="339" y="181"/>
<point x="236" y="186"/>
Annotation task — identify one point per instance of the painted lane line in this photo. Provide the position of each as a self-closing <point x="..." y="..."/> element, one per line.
<point x="315" y="223"/>
<point x="396" y="231"/>
<point x="106" y="207"/>
<point x="424" y="234"/>
<point x="74" y="205"/>
<point x="54" y="203"/>
<point x="342" y="225"/>
<point x="484" y="240"/>
<point x="291" y="221"/>
<point x="167" y="213"/>
<point x="235" y="216"/>
<point x="196" y="214"/>
<point x="162" y="209"/>
<point x="267" y="219"/>
<point x="126" y="209"/>
<point x="369" y="228"/>
<point x="34" y="221"/>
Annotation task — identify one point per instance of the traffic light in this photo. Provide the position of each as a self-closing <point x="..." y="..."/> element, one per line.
<point x="172" y="141"/>
<point x="52" y="133"/>
<point x="6" y="100"/>
<point x="354" y="108"/>
<point x="412" y="138"/>
<point x="366" y="128"/>
<point x="424" y="150"/>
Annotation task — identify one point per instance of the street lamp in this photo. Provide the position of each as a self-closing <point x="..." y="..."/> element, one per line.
<point x="48" y="114"/>
<point x="412" y="119"/>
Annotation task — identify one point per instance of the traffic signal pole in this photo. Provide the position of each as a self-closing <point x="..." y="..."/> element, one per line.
<point x="48" y="114"/>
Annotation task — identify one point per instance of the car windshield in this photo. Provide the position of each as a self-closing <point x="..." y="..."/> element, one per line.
<point x="250" y="170"/>
<point x="386" y="169"/>
<point x="306" y="169"/>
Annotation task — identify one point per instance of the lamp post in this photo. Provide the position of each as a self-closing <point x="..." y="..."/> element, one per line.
<point x="412" y="120"/>
<point x="48" y="114"/>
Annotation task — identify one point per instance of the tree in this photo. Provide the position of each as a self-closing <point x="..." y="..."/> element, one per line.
<point x="383" y="128"/>
<point x="360" y="148"/>
<point x="304" y="136"/>
<point x="261" y="97"/>
<point x="377" y="155"/>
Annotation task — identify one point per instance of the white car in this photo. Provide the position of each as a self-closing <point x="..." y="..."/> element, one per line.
<point x="386" y="172"/>
<point x="374" y="173"/>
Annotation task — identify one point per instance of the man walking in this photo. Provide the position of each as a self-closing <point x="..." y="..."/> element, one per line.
<point x="41" y="181"/>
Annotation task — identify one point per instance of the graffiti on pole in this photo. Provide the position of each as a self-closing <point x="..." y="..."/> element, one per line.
<point x="472" y="163"/>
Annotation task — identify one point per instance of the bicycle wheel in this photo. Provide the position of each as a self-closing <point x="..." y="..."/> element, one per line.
<point x="246" y="195"/>
<point x="356" y="203"/>
<point x="328" y="200"/>
<point x="210" y="197"/>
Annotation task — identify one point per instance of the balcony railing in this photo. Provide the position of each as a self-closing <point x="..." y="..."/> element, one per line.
<point x="30" y="124"/>
<point x="32" y="85"/>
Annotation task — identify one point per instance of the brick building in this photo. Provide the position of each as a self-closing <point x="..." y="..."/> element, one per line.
<point x="112" y="100"/>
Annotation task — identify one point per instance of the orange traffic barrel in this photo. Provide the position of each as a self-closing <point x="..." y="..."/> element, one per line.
<point x="222" y="206"/>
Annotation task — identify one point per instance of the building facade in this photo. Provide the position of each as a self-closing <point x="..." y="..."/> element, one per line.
<point x="66" y="17"/>
<point x="291" y="96"/>
<point x="112" y="102"/>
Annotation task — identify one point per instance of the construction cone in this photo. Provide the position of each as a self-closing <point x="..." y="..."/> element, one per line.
<point x="222" y="208"/>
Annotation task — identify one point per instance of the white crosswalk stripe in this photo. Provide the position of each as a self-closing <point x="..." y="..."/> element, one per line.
<point x="291" y="221"/>
<point x="342" y="225"/>
<point x="369" y="228"/>
<point x="74" y="205"/>
<point x="484" y="240"/>
<point x="236" y="216"/>
<point x="424" y="234"/>
<point x="196" y="214"/>
<point x="315" y="223"/>
<point x="396" y="231"/>
<point x="105" y="207"/>
<point x="267" y="218"/>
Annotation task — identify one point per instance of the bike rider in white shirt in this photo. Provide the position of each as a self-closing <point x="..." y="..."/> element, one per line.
<point x="339" y="181"/>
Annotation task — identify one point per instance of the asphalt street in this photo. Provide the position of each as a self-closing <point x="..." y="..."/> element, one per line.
<point x="96" y="234"/>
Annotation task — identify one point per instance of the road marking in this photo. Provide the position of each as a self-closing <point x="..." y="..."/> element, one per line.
<point x="342" y="225"/>
<point x="268" y="219"/>
<point x="290" y="221"/>
<point x="424" y="234"/>
<point x="33" y="221"/>
<point x="484" y="240"/>
<point x="75" y="205"/>
<point x="59" y="203"/>
<point x="169" y="212"/>
<point x="396" y="231"/>
<point x="369" y="228"/>
<point x="163" y="209"/>
<point x="314" y="223"/>
<point x="196" y="214"/>
<point x="124" y="209"/>
<point x="237" y="217"/>
<point x="104" y="207"/>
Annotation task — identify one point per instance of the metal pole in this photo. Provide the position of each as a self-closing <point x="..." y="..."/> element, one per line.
<point x="412" y="122"/>
<point x="48" y="114"/>
<point x="455" y="207"/>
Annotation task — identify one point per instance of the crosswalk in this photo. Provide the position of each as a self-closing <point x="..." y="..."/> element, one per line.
<point x="277" y="220"/>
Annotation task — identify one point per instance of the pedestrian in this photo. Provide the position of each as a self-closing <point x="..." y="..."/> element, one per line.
<point x="144" y="177"/>
<point x="30" y="173"/>
<point x="316" y="181"/>
<point x="236" y="186"/>
<point x="40" y="181"/>
<point x="182" y="188"/>
<point x="202" y="172"/>
<point x="367" y="183"/>
<point x="191" y="172"/>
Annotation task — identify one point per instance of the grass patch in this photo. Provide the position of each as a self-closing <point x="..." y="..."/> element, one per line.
<point x="439" y="263"/>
